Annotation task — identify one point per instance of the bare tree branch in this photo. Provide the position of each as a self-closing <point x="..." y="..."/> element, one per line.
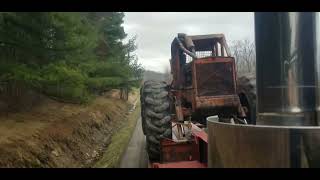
<point x="244" y="54"/>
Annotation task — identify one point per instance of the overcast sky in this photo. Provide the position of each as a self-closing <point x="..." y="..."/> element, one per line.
<point x="156" y="30"/>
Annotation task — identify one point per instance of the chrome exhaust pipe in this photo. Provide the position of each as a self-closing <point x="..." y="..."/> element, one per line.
<point x="285" y="61"/>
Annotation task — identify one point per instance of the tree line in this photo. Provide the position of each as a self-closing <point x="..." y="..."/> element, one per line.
<point x="245" y="56"/>
<point x="70" y="56"/>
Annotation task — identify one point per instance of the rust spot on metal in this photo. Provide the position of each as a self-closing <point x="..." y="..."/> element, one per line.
<point x="221" y="101"/>
<point x="172" y="151"/>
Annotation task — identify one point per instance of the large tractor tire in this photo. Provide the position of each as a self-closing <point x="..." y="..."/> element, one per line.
<point x="143" y="119"/>
<point x="246" y="87"/>
<point x="156" y="119"/>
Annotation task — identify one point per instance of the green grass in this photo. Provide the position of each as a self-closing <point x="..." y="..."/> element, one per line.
<point x="119" y="142"/>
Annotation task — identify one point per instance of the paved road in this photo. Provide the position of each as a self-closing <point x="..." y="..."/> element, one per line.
<point x="135" y="155"/>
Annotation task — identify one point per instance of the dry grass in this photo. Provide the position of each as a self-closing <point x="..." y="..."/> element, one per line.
<point x="72" y="130"/>
<point x="119" y="142"/>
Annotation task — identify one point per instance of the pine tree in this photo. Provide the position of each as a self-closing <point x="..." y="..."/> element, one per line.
<point x="70" y="56"/>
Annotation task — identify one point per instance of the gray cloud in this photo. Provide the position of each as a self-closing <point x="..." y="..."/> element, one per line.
<point x="155" y="31"/>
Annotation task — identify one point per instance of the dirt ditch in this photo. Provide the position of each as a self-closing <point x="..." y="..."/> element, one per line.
<point x="62" y="135"/>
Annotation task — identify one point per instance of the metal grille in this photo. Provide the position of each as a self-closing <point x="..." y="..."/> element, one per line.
<point x="214" y="79"/>
<point x="200" y="54"/>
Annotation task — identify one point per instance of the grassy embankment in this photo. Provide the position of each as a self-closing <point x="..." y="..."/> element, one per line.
<point x="120" y="140"/>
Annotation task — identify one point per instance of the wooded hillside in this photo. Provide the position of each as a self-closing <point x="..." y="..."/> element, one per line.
<point x="69" y="56"/>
